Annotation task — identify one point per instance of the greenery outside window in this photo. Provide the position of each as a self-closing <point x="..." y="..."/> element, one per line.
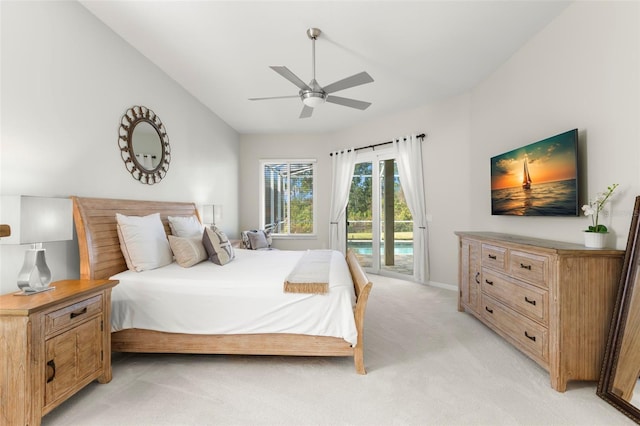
<point x="287" y="197"/>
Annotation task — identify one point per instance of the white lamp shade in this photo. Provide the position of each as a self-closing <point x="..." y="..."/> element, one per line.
<point x="36" y="219"/>
<point x="211" y="214"/>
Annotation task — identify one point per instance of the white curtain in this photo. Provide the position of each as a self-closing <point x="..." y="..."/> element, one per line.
<point x="343" y="163"/>
<point x="408" y="153"/>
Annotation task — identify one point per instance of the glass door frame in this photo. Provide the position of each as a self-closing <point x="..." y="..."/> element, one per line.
<point x="376" y="157"/>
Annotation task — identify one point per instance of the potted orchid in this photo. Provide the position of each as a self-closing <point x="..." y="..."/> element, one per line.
<point x="595" y="234"/>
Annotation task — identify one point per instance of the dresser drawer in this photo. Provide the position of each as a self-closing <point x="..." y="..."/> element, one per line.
<point x="529" y="267"/>
<point x="521" y="297"/>
<point x="494" y="257"/>
<point x="72" y="314"/>
<point x="530" y="337"/>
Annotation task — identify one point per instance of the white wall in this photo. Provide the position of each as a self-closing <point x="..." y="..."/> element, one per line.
<point x="581" y="71"/>
<point x="66" y="81"/>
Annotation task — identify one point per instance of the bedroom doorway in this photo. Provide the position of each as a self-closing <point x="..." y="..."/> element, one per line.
<point x="379" y="223"/>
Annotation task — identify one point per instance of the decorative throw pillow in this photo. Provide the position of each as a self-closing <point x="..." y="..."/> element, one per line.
<point x="185" y="226"/>
<point x="188" y="251"/>
<point x="267" y="235"/>
<point x="258" y="240"/>
<point x="217" y="246"/>
<point x="254" y="239"/>
<point x="246" y="243"/>
<point x="143" y="241"/>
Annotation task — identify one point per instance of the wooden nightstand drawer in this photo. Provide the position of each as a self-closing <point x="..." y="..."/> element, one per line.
<point x="494" y="257"/>
<point x="521" y="297"/>
<point x="529" y="336"/>
<point x="529" y="267"/>
<point x="72" y="314"/>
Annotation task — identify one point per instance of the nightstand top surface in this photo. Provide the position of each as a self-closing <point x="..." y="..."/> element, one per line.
<point x="20" y="305"/>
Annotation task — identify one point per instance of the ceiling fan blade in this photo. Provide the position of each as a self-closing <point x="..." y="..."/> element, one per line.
<point x="345" y="83"/>
<point x="348" y="102"/>
<point x="306" y="112"/>
<point x="274" y="97"/>
<point x="284" y="71"/>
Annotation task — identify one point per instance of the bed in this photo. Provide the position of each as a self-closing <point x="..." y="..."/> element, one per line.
<point x="101" y="258"/>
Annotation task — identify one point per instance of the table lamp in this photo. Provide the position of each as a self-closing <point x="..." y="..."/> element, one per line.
<point x="36" y="220"/>
<point x="211" y="214"/>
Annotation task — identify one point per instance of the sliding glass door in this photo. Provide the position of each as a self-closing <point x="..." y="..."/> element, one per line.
<point x="379" y="224"/>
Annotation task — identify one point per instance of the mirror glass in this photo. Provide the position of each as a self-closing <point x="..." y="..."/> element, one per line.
<point x="619" y="383"/>
<point x="144" y="145"/>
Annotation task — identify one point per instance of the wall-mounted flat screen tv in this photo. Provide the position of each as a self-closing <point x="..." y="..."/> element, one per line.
<point x="539" y="179"/>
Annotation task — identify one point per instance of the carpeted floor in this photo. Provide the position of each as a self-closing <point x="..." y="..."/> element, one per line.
<point x="427" y="365"/>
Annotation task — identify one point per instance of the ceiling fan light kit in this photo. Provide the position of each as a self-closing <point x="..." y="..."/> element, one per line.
<point x="313" y="95"/>
<point x="313" y="99"/>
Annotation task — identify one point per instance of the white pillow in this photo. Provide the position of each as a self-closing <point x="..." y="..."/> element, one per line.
<point x="143" y="241"/>
<point x="185" y="226"/>
<point x="188" y="251"/>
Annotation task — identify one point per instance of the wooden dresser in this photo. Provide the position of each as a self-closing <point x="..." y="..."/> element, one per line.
<point x="51" y="345"/>
<point x="551" y="300"/>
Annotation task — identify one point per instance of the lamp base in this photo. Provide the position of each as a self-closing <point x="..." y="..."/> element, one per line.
<point x="29" y="293"/>
<point x="35" y="275"/>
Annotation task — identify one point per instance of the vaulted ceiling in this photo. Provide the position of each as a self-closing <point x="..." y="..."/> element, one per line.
<point x="417" y="52"/>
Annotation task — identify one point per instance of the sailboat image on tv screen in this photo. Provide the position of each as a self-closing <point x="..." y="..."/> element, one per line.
<point x="539" y="179"/>
<point x="526" y="178"/>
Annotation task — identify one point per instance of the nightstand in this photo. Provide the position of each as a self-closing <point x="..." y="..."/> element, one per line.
<point x="52" y="344"/>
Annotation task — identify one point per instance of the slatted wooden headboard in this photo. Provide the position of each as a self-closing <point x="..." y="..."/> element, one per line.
<point x="95" y="220"/>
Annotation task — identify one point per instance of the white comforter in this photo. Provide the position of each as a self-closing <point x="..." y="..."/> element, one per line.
<point x="244" y="296"/>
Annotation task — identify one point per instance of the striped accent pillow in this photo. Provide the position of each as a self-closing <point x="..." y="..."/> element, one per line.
<point x="187" y="251"/>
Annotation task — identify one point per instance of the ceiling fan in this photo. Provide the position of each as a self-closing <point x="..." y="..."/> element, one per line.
<point x="312" y="94"/>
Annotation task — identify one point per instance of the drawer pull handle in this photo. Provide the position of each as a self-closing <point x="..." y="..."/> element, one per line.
<point x="533" y="302"/>
<point x="493" y="257"/>
<point x="530" y="337"/>
<point x="51" y="371"/>
<point x="82" y="311"/>
<point x="486" y="308"/>
<point x="477" y="275"/>
<point x="488" y="282"/>
<point x="523" y="266"/>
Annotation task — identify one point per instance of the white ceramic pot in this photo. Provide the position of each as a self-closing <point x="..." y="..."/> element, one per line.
<point x="595" y="239"/>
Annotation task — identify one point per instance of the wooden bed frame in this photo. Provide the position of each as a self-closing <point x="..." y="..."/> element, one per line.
<point x="101" y="258"/>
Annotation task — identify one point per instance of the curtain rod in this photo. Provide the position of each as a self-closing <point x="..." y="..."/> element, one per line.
<point x="420" y="136"/>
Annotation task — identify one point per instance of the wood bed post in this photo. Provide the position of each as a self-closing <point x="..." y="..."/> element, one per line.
<point x="362" y="287"/>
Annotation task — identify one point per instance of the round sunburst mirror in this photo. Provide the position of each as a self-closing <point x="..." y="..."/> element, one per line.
<point x="144" y="145"/>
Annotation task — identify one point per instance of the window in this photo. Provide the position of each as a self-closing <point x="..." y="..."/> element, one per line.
<point x="287" y="205"/>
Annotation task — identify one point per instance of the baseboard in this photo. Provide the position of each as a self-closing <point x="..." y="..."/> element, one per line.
<point x="443" y="285"/>
<point x="449" y="287"/>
